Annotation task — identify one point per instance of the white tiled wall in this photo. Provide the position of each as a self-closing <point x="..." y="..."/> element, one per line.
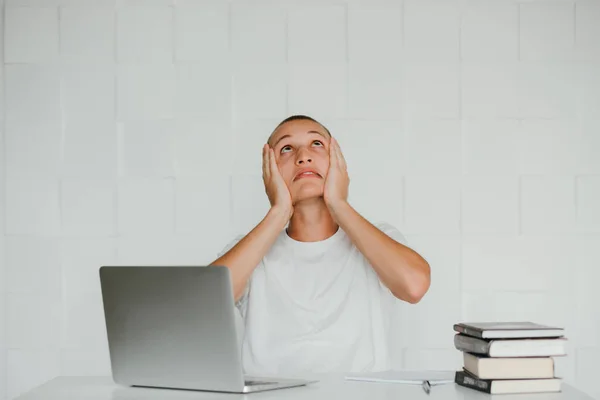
<point x="131" y="133"/>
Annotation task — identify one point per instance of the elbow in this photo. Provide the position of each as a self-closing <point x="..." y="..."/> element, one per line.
<point x="415" y="296"/>
<point x="420" y="286"/>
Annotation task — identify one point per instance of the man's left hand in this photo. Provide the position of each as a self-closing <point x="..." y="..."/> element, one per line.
<point x="337" y="181"/>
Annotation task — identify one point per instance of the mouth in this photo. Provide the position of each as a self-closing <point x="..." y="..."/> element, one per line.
<point x="307" y="174"/>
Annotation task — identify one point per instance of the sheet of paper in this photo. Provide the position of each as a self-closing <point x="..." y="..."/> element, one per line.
<point x="407" y="377"/>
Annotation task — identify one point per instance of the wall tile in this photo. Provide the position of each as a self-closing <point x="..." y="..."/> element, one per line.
<point x="145" y="206"/>
<point x="375" y="81"/>
<point x="32" y="205"/>
<point x="431" y="30"/>
<point x="203" y="203"/>
<point x="203" y="91"/>
<point x="199" y="145"/>
<point x="431" y="90"/>
<point x="432" y="204"/>
<point x="491" y="147"/>
<point x="548" y="205"/>
<point x="33" y="148"/>
<point x="325" y="41"/>
<point x="433" y="147"/>
<point x="33" y="266"/>
<point x="145" y="92"/>
<point x="87" y="34"/>
<point x="547" y="90"/>
<point x="89" y="92"/>
<point x="202" y="31"/>
<point x="31" y="34"/>
<point x="489" y="90"/>
<point x="88" y="207"/>
<point x="320" y="90"/>
<point x="375" y="32"/>
<point x="33" y="321"/>
<point x="144" y="34"/>
<point x="260" y="90"/>
<point x="31" y="90"/>
<point x="547" y="30"/>
<point x="490" y="205"/>
<point x="90" y="149"/>
<point x="490" y="31"/>
<point x="258" y="33"/>
<point x="147" y="149"/>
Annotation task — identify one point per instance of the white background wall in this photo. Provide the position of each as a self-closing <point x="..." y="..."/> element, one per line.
<point x="132" y="133"/>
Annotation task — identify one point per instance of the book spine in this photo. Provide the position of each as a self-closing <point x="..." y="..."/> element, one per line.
<point x="463" y="379"/>
<point x="467" y="331"/>
<point x="471" y="345"/>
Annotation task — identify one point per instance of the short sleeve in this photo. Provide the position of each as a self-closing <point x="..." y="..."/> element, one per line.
<point x="242" y="303"/>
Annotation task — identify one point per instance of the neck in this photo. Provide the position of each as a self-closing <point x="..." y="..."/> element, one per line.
<point x="311" y="221"/>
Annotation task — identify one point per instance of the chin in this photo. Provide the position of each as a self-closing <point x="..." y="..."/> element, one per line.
<point x="307" y="193"/>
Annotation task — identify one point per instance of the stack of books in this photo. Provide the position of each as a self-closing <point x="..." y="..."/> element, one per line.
<point x="509" y="357"/>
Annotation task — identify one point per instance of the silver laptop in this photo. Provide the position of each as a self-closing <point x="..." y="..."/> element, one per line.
<point x="174" y="327"/>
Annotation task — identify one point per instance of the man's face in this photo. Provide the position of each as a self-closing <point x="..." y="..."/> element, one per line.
<point x="302" y="151"/>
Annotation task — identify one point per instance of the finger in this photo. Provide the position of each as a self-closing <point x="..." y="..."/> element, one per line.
<point x="332" y="155"/>
<point x="273" y="164"/>
<point x="341" y="158"/>
<point x="336" y="152"/>
<point x="264" y="172"/>
<point x="267" y="161"/>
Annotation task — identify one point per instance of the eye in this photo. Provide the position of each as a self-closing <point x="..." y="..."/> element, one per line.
<point x="318" y="142"/>
<point x="285" y="148"/>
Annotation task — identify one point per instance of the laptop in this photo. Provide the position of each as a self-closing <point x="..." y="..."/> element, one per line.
<point x="174" y="327"/>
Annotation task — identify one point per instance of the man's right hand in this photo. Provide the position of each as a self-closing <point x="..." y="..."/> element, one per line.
<point x="277" y="191"/>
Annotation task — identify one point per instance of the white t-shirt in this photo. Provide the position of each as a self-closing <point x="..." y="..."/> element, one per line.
<point x="315" y="307"/>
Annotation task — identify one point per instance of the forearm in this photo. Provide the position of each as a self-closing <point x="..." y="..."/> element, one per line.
<point x="400" y="268"/>
<point x="245" y="256"/>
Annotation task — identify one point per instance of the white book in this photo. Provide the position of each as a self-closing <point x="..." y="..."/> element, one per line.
<point x="540" y="347"/>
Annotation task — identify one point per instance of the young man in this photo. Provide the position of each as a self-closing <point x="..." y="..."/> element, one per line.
<point x="317" y="297"/>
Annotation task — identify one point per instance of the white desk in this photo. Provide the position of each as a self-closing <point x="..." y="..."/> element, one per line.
<point x="329" y="388"/>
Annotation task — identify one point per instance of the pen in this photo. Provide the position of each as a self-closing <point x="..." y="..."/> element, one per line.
<point x="426" y="386"/>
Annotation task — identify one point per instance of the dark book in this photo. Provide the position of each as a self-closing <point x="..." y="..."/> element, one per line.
<point x="504" y="330"/>
<point x="537" y="347"/>
<point x="507" y="386"/>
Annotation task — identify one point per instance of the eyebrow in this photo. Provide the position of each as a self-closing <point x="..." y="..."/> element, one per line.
<point x="286" y="136"/>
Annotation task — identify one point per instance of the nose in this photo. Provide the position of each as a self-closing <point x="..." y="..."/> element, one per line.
<point x="303" y="157"/>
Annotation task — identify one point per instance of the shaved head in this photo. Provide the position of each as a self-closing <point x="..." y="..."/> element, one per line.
<point x="297" y="118"/>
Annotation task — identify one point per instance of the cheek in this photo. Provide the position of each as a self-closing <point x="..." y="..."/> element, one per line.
<point x="324" y="162"/>
<point x="287" y="170"/>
